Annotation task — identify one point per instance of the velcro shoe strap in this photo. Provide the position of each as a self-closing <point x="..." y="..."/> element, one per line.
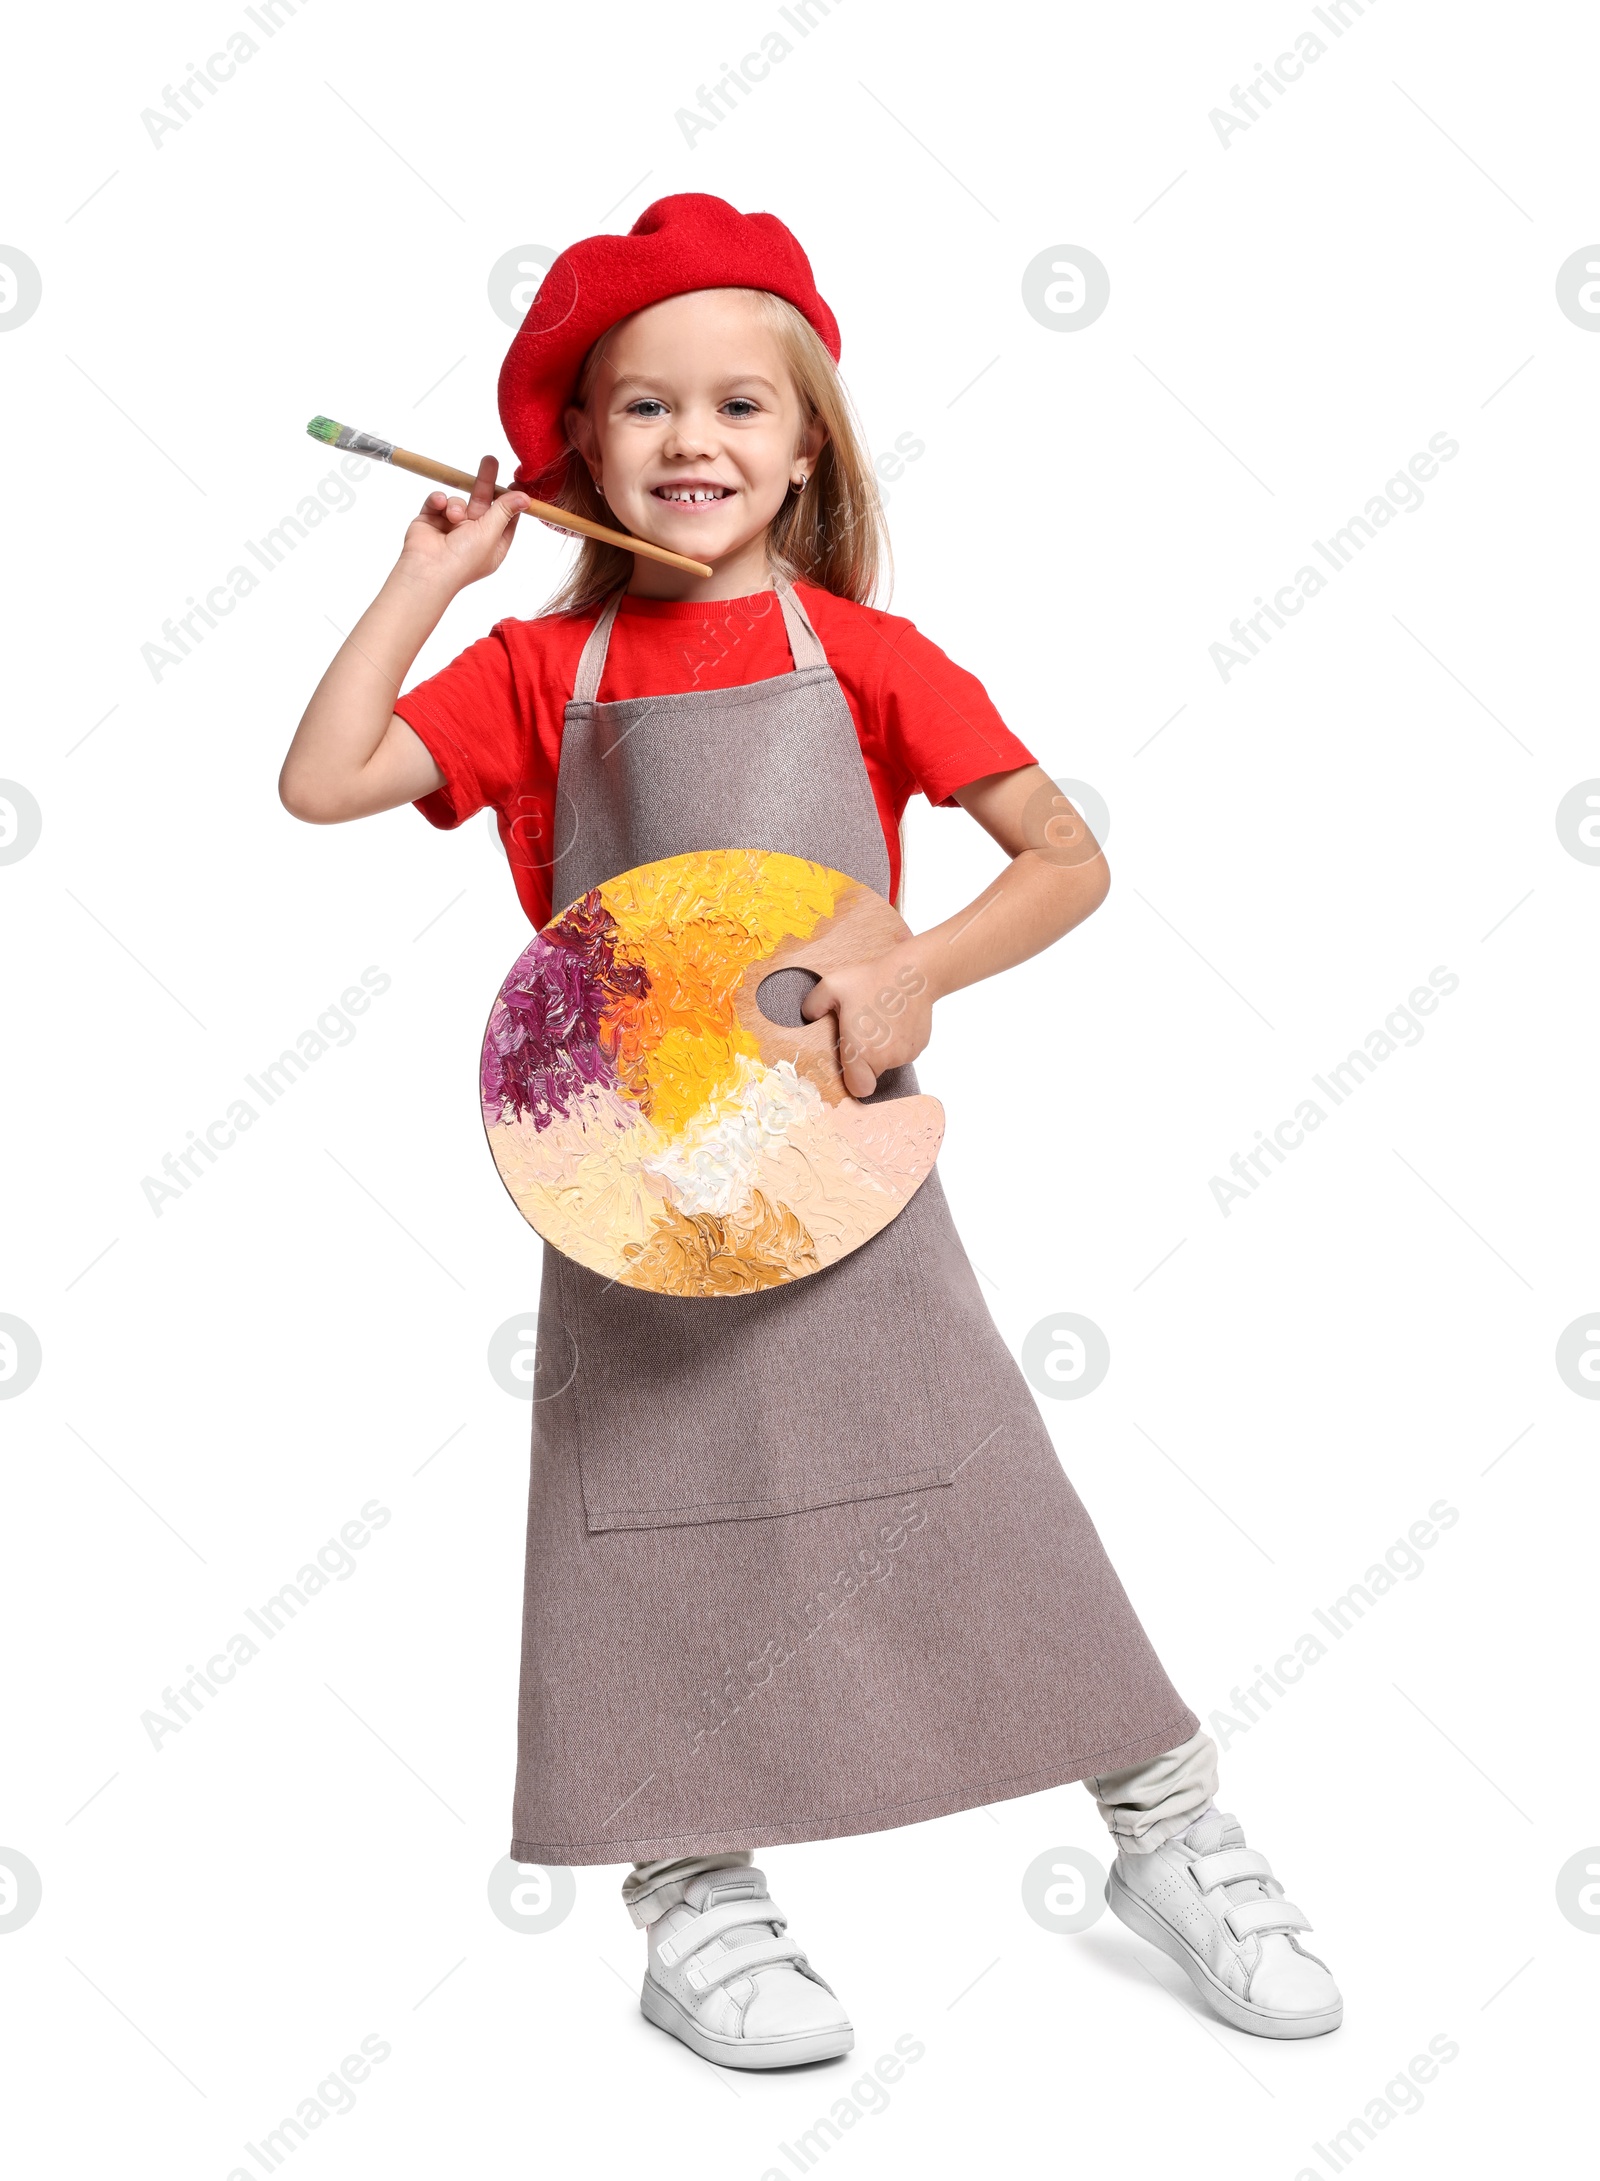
<point x="1228" y="1864"/>
<point x="704" y="1972"/>
<point x="1248" y="1919"/>
<point x="712" y="1922"/>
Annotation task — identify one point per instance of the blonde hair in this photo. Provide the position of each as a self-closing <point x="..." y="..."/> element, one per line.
<point x="832" y="534"/>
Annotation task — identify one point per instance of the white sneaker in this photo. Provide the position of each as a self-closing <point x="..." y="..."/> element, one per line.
<point x="724" y="1979"/>
<point x="1213" y="1906"/>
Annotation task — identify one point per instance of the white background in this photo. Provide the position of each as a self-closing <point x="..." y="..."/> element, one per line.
<point x="223" y="1386"/>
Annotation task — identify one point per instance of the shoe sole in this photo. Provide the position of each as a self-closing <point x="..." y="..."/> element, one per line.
<point x="663" y="2010"/>
<point x="1237" y="2013"/>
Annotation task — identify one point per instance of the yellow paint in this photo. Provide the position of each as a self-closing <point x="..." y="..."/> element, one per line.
<point x="697" y="923"/>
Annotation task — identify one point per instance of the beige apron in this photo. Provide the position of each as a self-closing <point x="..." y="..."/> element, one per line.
<point x="800" y="1563"/>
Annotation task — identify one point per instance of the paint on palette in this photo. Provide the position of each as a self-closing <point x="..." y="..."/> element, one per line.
<point x="652" y="1123"/>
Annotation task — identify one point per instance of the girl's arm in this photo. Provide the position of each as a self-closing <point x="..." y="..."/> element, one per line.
<point x="1056" y="877"/>
<point x="352" y="754"/>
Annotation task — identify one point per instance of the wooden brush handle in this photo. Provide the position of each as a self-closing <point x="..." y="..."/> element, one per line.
<point x="442" y="474"/>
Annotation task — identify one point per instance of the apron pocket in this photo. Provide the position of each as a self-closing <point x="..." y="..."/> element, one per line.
<point x="809" y="1395"/>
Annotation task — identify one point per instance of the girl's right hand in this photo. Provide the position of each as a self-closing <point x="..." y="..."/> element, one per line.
<point x="458" y="541"/>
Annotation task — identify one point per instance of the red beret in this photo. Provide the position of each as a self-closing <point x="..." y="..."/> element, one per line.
<point x="675" y="245"/>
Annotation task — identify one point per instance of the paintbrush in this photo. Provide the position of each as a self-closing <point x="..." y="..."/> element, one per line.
<point x="347" y="438"/>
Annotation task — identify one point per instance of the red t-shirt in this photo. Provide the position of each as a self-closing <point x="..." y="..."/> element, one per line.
<point x="492" y="718"/>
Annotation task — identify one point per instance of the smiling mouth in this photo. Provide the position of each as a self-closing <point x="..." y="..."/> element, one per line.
<point x="692" y="495"/>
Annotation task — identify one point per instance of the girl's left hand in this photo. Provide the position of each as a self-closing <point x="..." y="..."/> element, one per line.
<point x="1055" y="878"/>
<point x="885" y="1014"/>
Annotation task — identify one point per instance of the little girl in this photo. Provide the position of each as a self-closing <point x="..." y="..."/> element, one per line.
<point x="864" y="1592"/>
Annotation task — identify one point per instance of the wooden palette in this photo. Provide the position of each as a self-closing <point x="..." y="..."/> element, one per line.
<point x="653" y="1123"/>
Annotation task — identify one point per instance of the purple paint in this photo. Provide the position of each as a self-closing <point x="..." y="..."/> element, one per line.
<point x="548" y="1037"/>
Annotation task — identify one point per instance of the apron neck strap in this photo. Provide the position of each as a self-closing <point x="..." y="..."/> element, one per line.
<point x="805" y="645"/>
<point x="592" y="661"/>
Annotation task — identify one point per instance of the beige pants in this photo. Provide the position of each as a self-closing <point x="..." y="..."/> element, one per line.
<point x="1144" y="1806"/>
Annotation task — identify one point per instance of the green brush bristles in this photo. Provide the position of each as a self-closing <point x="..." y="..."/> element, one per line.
<point x="325" y="429"/>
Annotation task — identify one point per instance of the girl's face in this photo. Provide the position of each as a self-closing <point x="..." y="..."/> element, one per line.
<point x="695" y="435"/>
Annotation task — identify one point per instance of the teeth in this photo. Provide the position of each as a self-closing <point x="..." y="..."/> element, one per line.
<point x="684" y="493"/>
